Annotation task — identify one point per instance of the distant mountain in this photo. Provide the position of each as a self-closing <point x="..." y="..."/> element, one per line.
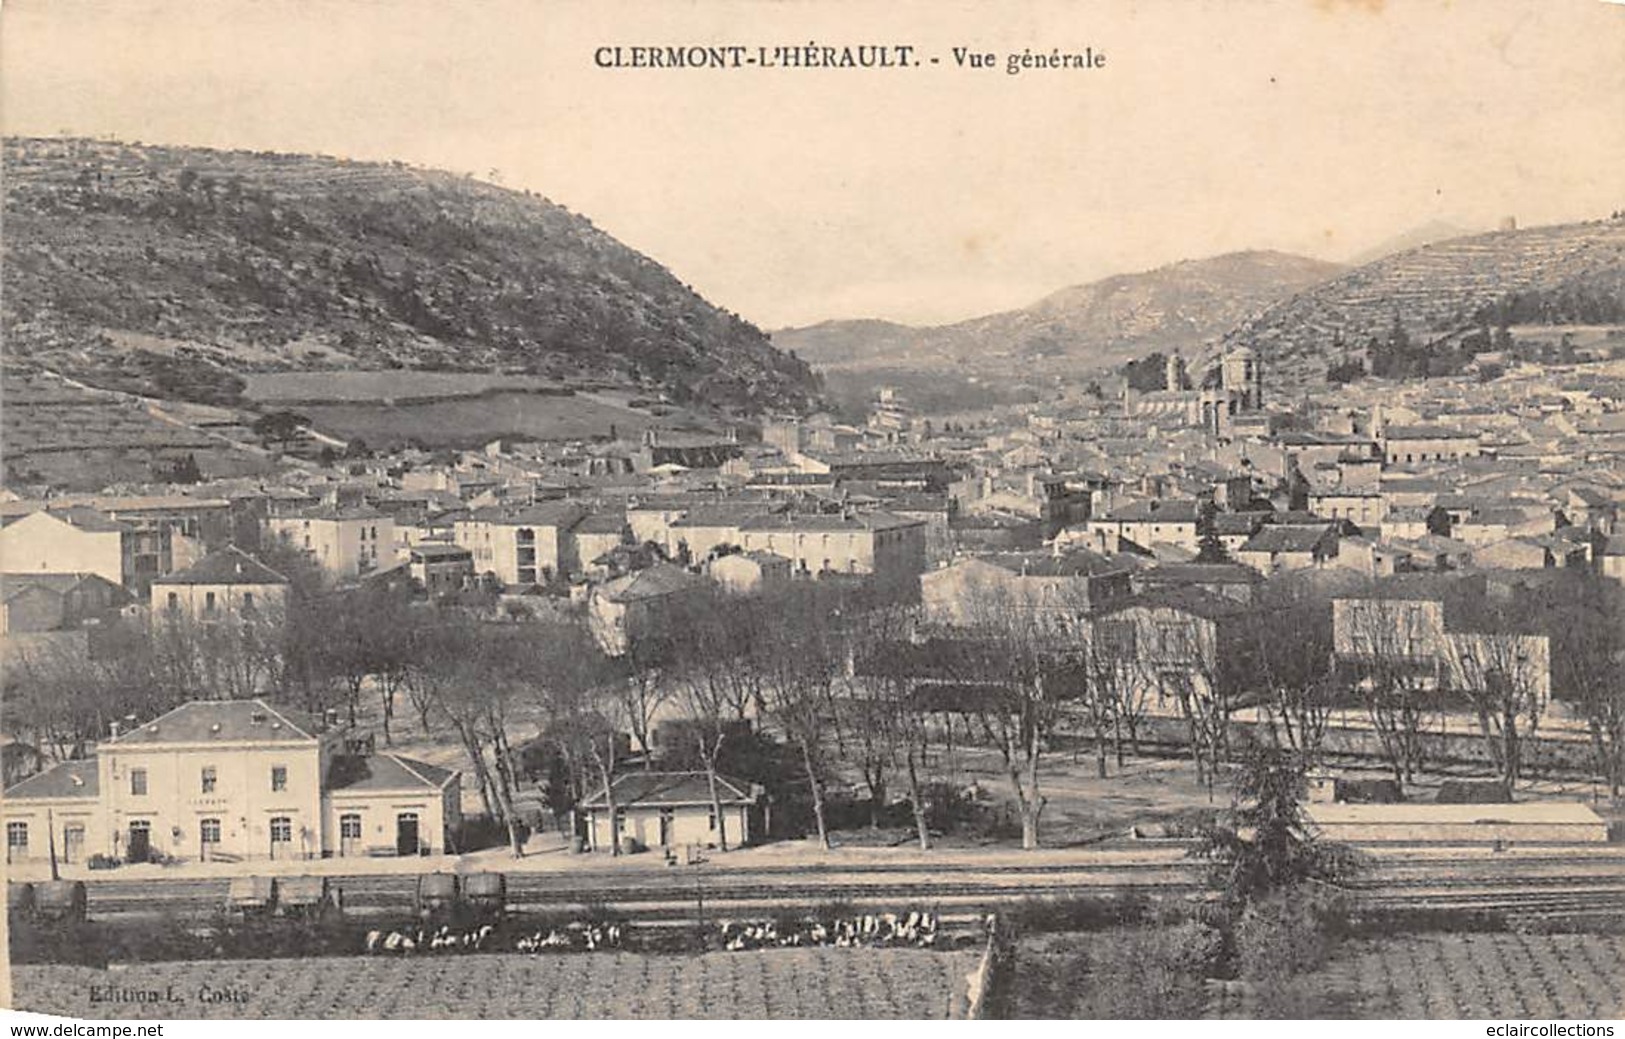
<point x="170" y="271"/>
<point x="1429" y="233"/>
<point x="1568" y="274"/>
<point x="1100" y="324"/>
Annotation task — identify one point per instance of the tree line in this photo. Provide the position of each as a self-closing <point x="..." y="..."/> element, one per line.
<point x="851" y="684"/>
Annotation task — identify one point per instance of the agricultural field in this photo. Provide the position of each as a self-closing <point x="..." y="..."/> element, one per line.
<point x="469" y="421"/>
<point x="1434" y="976"/>
<point x="1509" y="976"/>
<point x="281" y="388"/>
<point x="77" y="439"/>
<point x="459" y="409"/>
<point x="779" y="983"/>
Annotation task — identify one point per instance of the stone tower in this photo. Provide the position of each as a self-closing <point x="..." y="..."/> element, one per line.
<point x="1242" y="375"/>
<point x="1174" y="373"/>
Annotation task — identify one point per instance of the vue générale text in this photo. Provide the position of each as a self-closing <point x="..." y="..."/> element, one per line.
<point x="815" y="55"/>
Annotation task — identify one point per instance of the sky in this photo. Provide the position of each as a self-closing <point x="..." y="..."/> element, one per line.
<point x="924" y="195"/>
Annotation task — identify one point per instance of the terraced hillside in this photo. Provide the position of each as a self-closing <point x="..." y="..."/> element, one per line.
<point x="57" y="433"/>
<point x="1573" y="273"/>
<point x="168" y="271"/>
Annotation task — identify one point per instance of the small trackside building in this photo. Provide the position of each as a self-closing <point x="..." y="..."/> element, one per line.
<point x="385" y="804"/>
<point x="59" y="804"/>
<point x="669" y="810"/>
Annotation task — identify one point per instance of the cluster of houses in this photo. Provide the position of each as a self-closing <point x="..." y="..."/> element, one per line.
<point x="1169" y="509"/>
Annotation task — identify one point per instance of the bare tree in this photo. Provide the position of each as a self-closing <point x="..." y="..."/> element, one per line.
<point x="470" y="679"/>
<point x="1587" y="625"/>
<point x="798" y="652"/>
<point x="587" y="704"/>
<point x="1028" y="684"/>
<point x="648" y="663"/>
<point x="879" y="710"/>
<point x="1181" y="650"/>
<point x="66" y="696"/>
<point x="1388" y="650"/>
<point x="368" y="634"/>
<point x="1284" y="647"/>
<point x="719" y="678"/>
<point x="479" y="707"/>
<point x="1505" y="675"/>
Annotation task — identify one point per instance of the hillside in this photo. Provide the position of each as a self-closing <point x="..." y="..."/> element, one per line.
<point x="1427" y="234"/>
<point x="1096" y="325"/>
<point x="65" y="436"/>
<point x="1573" y="273"/>
<point x="172" y="271"/>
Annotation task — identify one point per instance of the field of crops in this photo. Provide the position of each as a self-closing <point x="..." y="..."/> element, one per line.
<point x="1457" y="976"/>
<point x="281" y="387"/>
<point x="779" y="983"/>
<point x="1435" y="976"/>
<point x="467" y="421"/>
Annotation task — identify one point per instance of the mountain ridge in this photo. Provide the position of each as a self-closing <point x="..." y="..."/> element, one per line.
<point x="1178" y="305"/>
<point x="172" y="271"/>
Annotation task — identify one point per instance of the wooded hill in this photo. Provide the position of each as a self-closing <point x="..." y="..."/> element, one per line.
<point x="170" y="271"/>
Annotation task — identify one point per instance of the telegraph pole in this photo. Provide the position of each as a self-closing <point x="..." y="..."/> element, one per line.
<point x="50" y="835"/>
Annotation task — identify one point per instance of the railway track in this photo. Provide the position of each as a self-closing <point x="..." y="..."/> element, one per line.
<point x="1558" y="882"/>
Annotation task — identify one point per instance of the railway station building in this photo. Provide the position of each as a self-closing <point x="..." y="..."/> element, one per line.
<point x="231" y="780"/>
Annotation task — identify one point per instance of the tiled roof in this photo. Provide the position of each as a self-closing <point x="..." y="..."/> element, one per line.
<point x="1287" y="539"/>
<point x="87" y="519"/>
<point x="791" y="479"/>
<point x="814" y="522"/>
<point x="437" y="551"/>
<point x="230" y="565"/>
<point x="1179" y="510"/>
<point x="1199" y="573"/>
<point x="207" y="721"/>
<point x="70" y="779"/>
<point x="659" y="580"/>
<point x="727" y="515"/>
<point x="644" y="789"/>
<point x="1318" y="438"/>
<point x="357" y="774"/>
<point x="106" y="503"/>
<point x="851" y="458"/>
<point x="14" y="583"/>
<point x="1425" y="433"/>
<point x="1185" y="599"/>
<point x="1237" y="522"/>
<point x="1076" y="563"/>
<point x="560" y="514"/>
<point x="602" y="523"/>
<point x="337" y="513"/>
